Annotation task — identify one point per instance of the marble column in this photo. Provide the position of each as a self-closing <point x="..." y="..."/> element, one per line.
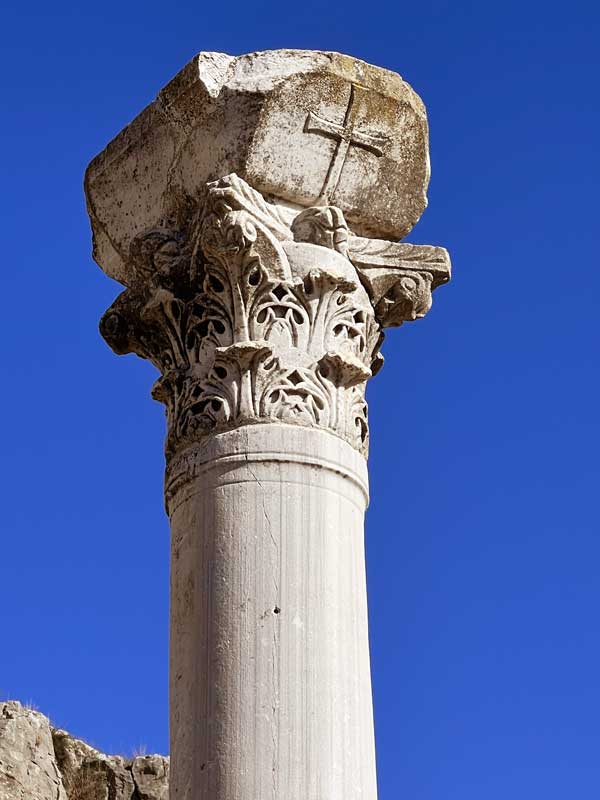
<point x="245" y="211"/>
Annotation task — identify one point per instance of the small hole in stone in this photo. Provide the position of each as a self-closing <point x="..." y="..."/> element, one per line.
<point x="277" y="610"/>
<point x="203" y="767"/>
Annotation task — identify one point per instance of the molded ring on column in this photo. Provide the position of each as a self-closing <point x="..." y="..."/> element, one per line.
<point x="263" y="444"/>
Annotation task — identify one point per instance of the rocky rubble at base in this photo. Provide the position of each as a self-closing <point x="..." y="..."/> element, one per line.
<point x="39" y="762"/>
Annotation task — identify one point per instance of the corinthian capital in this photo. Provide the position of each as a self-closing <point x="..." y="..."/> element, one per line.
<point x="246" y="324"/>
<point x="264" y="297"/>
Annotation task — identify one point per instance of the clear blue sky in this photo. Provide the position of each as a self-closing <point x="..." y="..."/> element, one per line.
<point x="483" y="535"/>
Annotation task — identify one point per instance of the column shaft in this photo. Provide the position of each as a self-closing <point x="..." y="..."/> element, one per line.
<point x="270" y="677"/>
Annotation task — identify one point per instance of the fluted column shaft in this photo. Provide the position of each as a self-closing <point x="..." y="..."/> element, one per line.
<point x="270" y="679"/>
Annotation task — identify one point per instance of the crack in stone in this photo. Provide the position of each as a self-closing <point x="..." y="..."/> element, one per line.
<point x="136" y="789"/>
<point x="274" y="660"/>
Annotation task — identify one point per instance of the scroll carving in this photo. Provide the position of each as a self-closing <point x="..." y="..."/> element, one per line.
<point x="250" y="318"/>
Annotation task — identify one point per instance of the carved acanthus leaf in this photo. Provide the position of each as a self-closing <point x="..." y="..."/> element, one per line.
<point x="237" y="195"/>
<point x="322" y="225"/>
<point x="369" y="254"/>
<point x="344" y="369"/>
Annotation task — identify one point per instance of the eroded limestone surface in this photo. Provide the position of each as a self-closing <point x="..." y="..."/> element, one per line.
<point x="28" y="767"/>
<point x="39" y="762"/>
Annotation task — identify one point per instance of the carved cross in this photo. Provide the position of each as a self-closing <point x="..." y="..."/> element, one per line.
<point x="346" y="136"/>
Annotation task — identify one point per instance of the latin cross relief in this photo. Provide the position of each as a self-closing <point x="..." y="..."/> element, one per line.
<point x="347" y="135"/>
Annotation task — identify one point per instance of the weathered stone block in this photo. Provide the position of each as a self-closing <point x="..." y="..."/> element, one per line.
<point x="303" y="128"/>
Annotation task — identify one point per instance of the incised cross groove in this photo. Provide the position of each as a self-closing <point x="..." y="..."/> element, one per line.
<point x="346" y="135"/>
